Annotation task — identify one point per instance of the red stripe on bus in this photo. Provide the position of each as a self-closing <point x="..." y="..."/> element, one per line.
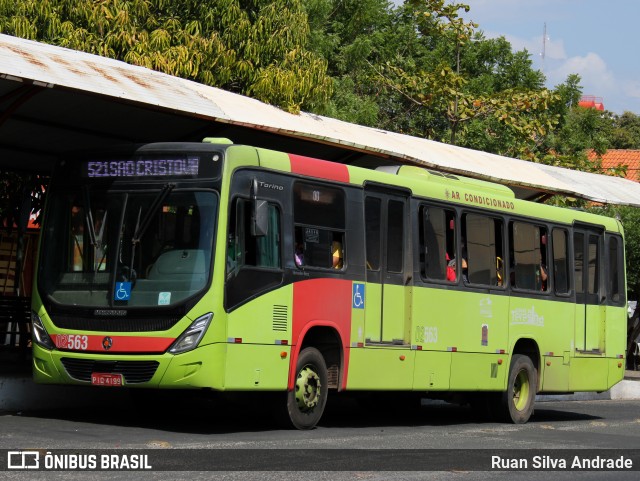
<point x="321" y="303"/>
<point x="321" y="169"/>
<point x="101" y="343"/>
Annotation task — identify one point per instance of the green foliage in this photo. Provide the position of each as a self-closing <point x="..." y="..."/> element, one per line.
<point x="352" y="35"/>
<point x="490" y="97"/>
<point x="254" y="47"/>
<point x="626" y="131"/>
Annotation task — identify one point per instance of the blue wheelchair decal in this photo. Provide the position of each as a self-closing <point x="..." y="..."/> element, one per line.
<point x="358" y="296"/>
<point x="122" y="291"/>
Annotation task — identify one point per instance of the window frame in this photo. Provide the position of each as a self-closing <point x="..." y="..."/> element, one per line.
<point x="447" y="210"/>
<point x="463" y="232"/>
<point x="512" y="256"/>
<point x="332" y="231"/>
<point x="568" y="261"/>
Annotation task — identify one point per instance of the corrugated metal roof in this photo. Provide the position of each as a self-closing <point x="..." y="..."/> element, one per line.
<point x="58" y="68"/>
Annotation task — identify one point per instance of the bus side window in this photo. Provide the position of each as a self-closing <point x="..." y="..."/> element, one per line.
<point x="373" y="216"/>
<point x="560" y="261"/>
<point x="438" y="244"/>
<point x="615" y="283"/>
<point x="528" y="245"/>
<point x="319" y="232"/>
<point x="243" y="249"/>
<point x="482" y="248"/>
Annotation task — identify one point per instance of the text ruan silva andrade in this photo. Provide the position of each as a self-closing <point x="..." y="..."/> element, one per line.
<point x="574" y="462"/>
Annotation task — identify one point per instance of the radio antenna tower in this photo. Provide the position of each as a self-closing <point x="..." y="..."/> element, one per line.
<point x="544" y="44"/>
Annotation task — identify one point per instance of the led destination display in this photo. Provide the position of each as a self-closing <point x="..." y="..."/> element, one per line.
<point x="177" y="167"/>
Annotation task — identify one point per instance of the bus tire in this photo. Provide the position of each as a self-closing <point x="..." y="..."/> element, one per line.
<point x="307" y="399"/>
<point x="518" y="400"/>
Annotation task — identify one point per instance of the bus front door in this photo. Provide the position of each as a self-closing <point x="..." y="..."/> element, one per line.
<point x="590" y="309"/>
<point x="388" y="267"/>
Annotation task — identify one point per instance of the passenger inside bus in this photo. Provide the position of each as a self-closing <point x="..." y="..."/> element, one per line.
<point x="299" y="254"/>
<point x="336" y="253"/>
<point x="451" y="268"/>
<point x="541" y="273"/>
<point x="541" y="280"/>
<point x="463" y="261"/>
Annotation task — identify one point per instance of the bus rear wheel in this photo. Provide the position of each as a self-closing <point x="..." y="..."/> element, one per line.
<point x="306" y="402"/>
<point x="517" y="401"/>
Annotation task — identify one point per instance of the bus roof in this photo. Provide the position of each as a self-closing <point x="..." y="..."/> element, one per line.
<point x="59" y="98"/>
<point x="455" y="190"/>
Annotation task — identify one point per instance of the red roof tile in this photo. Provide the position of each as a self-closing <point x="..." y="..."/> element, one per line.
<point x="615" y="157"/>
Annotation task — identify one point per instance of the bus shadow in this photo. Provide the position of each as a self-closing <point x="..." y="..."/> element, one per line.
<point x="192" y="413"/>
<point x="433" y="413"/>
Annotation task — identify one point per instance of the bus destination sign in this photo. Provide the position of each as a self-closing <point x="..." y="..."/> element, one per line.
<point x="165" y="167"/>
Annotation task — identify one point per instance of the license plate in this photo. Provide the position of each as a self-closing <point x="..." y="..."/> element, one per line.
<point x="106" y="379"/>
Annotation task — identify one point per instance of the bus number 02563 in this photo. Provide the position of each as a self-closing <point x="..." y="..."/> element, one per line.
<point x="71" y="341"/>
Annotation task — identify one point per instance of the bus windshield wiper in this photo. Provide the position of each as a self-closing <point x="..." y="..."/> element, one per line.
<point x="141" y="227"/>
<point x="94" y="239"/>
<point x="88" y="216"/>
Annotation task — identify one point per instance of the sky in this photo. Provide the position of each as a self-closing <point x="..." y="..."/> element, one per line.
<point x="596" y="39"/>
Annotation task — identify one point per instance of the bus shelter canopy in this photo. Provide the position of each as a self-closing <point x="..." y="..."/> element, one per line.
<point x="54" y="100"/>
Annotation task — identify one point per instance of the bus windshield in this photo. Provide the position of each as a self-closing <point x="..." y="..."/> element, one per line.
<point x="127" y="248"/>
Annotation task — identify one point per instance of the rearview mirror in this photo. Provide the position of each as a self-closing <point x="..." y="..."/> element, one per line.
<point x="259" y="212"/>
<point x="260" y="218"/>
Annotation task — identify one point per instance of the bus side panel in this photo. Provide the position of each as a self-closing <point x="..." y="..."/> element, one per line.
<point x="616" y="371"/>
<point x="200" y="368"/>
<point x="378" y="368"/>
<point x="326" y="304"/>
<point x="432" y="371"/>
<point x="594" y="329"/>
<point x="373" y="312"/>
<point x="479" y="341"/>
<point x="479" y="372"/>
<point x="256" y="367"/>
<point x="549" y="323"/>
<point x="395" y="312"/>
<point x="447" y="319"/>
<point x="589" y="374"/>
<point x="264" y="320"/>
<point x="616" y="331"/>
<point x="555" y="374"/>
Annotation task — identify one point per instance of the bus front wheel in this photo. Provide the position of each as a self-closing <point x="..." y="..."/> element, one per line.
<point x="305" y="403"/>
<point x="517" y="401"/>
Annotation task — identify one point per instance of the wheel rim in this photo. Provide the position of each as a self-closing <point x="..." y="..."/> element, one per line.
<point x="308" y="387"/>
<point x="521" y="390"/>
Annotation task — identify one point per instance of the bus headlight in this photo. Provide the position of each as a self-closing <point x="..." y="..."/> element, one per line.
<point x="40" y="334"/>
<point x="190" y="338"/>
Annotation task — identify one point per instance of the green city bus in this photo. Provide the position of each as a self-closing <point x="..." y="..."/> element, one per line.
<point x="233" y="268"/>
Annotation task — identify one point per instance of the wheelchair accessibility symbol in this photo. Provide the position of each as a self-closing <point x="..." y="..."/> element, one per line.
<point x="122" y="291"/>
<point x="358" y="296"/>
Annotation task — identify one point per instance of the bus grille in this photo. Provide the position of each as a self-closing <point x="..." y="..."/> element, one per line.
<point x="133" y="371"/>
<point x="120" y="325"/>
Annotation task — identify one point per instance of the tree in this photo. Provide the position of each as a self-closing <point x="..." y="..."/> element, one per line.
<point x="353" y="35"/>
<point x="626" y="131"/>
<point x="254" y="47"/>
<point x="489" y="97"/>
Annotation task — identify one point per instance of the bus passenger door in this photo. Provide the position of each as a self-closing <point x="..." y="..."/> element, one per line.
<point x="590" y="311"/>
<point x="388" y="272"/>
